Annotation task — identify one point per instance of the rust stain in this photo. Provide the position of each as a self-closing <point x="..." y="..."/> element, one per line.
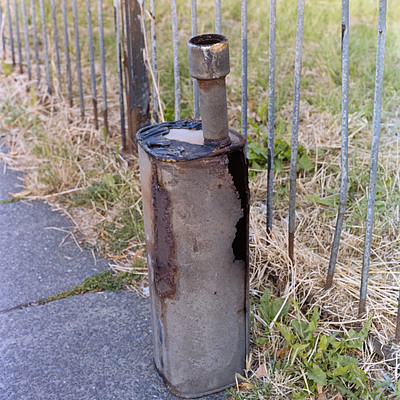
<point x="209" y="84"/>
<point x="217" y="47"/>
<point x="164" y="267"/>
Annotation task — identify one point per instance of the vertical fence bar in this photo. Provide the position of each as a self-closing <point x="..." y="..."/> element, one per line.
<point x="218" y="16"/>
<point x="295" y="127"/>
<point x="26" y="39"/>
<point x="154" y="58"/>
<point x="117" y="23"/>
<point x="271" y="113"/>
<point x="17" y="32"/>
<point x="10" y="30"/>
<point x="35" y="41"/>
<point x="3" y="40"/>
<point x="78" y="56"/>
<point x="91" y="60"/>
<point x="45" y="47"/>
<point x="103" y="65"/>
<point x="344" y="165"/>
<point x="244" y="67"/>
<point x="140" y="105"/>
<point x="67" y="56"/>
<point x="129" y="74"/>
<point x="56" y="43"/>
<point x="376" y="124"/>
<point x="176" y="60"/>
<point x="195" y="84"/>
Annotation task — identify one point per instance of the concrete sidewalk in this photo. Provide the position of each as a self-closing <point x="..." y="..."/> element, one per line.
<point x="92" y="346"/>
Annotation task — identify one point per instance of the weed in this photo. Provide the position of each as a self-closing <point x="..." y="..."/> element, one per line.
<point x="312" y="361"/>
<point x="103" y="281"/>
<point x="258" y="151"/>
<point x="10" y="200"/>
<point x="126" y="225"/>
<point x="72" y="156"/>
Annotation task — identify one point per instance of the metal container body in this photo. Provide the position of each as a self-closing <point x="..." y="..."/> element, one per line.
<point x="196" y="225"/>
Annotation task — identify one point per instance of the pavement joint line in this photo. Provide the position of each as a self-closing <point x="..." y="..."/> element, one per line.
<point x="43" y="302"/>
<point x="23" y="306"/>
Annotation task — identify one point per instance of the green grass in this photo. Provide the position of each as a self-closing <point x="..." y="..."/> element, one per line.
<point x="109" y="186"/>
<point x="10" y="200"/>
<point x="321" y="54"/>
<point x="307" y="360"/>
<point x="103" y="281"/>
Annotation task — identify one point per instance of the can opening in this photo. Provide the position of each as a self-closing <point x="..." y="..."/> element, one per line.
<point x="207" y="40"/>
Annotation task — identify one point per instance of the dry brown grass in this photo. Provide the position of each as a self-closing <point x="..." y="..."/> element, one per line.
<point x="62" y="154"/>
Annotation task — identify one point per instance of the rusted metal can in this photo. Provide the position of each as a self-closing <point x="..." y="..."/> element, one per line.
<point x="196" y="206"/>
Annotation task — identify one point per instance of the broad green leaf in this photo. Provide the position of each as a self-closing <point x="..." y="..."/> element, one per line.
<point x="108" y="180"/>
<point x="260" y="341"/>
<point x="300" y="327"/>
<point x="312" y="326"/>
<point x="277" y="309"/>
<point x="316" y="374"/>
<point x="324" y="201"/>
<point x="364" y="331"/>
<point x="304" y="163"/>
<point x="345" y="360"/>
<point x="322" y="346"/>
<point x="270" y="308"/>
<point x="264" y="303"/>
<point x="296" y="348"/>
<point x="341" y="370"/>
<point x="286" y="333"/>
<point x="7" y="69"/>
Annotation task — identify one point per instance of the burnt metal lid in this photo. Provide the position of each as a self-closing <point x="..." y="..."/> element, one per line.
<point x="182" y="141"/>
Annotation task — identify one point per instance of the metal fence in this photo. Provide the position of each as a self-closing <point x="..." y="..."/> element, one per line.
<point x="135" y="59"/>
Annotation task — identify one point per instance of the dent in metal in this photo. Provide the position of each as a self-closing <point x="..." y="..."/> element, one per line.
<point x="199" y="289"/>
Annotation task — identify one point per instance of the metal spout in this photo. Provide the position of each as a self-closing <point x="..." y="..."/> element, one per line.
<point x="209" y="64"/>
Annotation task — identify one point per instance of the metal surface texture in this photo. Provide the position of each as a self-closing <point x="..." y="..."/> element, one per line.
<point x="153" y="42"/>
<point x="271" y="113"/>
<point x="217" y="17"/>
<point x="10" y="31"/>
<point x="138" y="96"/>
<point x="208" y="56"/>
<point x="209" y="64"/>
<point x="45" y="47"/>
<point x="78" y="57"/>
<point x="244" y="68"/>
<point x="196" y="217"/>
<point x="128" y="70"/>
<point x="26" y="39"/>
<point x="67" y="56"/>
<point x="103" y="65"/>
<point x="295" y="127"/>
<point x="117" y="24"/>
<point x="197" y="242"/>
<point x="3" y="39"/>
<point x="344" y="166"/>
<point x="56" y="43"/>
<point x="92" y="63"/>
<point x="196" y="100"/>
<point x="17" y="32"/>
<point x="376" y="125"/>
<point x="35" y="41"/>
<point x="175" y="50"/>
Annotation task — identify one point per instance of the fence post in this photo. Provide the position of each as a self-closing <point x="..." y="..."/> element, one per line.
<point x="139" y="91"/>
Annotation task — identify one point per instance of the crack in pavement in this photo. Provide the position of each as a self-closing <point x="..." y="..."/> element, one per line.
<point x="22" y="306"/>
